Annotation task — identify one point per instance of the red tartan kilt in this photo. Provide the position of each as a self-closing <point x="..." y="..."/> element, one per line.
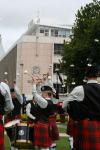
<point x="41" y="135"/>
<point x="1" y="137"/>
<point x="87" y="135"/>
<point x="54" y="133"/>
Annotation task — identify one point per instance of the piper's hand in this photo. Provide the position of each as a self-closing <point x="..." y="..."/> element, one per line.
<point x="35" y="79"/>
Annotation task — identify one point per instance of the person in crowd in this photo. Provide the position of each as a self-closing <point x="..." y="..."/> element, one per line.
<point x="15" y="114"/>
<point x="24" y="104"/>
<point x="6" y="106"/>
<point x="17" y="100"/>
<point x="41" y="109"/>
<point x="83" y="107"/>
<point x="30" y="111"/>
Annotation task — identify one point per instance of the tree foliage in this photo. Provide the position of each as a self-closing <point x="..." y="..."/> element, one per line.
<point x="84" y="47"/>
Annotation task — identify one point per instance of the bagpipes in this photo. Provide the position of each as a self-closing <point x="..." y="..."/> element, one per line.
<point x="62" y="82"/>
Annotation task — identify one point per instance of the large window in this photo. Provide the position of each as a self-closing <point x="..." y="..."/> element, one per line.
<point x="54" y="32"/>
<point x="42" y="30"/>
<point x="58" y="49"/>
<point x="45" y="32"/>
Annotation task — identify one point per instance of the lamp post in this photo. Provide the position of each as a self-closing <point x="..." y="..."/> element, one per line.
<point x="6" y="77"/>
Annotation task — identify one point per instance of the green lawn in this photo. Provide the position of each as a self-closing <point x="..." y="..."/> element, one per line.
<point x="63" y="144"/>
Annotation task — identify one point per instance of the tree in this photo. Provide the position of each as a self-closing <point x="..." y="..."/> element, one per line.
<point x="84" y="47"/>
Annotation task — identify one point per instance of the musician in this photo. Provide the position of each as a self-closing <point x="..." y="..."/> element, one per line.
<point x="30" y="111"/>
<point x="17" y="100"/>
<point x="83" y="106"/>
<point x="42" y="111"/>
<point x="6" y="106"/>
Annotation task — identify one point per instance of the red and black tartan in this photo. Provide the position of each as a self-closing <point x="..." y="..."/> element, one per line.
<point x="54" y="133"/>
<point x="1" y="136"/>
<point x="87" y="135"/>
<point x="41" y="135"/>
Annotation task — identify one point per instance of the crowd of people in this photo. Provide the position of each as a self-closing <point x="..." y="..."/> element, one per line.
<point x="82" y="106"/>
<point x="40" y="112"/>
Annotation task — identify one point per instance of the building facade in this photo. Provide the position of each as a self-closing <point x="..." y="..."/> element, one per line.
<point x="38" y="51"/>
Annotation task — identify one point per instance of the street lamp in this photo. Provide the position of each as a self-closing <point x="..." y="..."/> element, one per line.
<point x="6" y="78"/>
<point x="5" y="73"/>
<point x="27" y="73"/>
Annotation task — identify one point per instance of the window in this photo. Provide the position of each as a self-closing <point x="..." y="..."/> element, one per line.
<point x="41" y="30"/>
<point x="62" y="33"/>
<point x="46" y="32"/>
<point x="54" y="32"/>
<point x="58" y="49"/>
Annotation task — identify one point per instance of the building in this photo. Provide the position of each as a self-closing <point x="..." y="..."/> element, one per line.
<point x="38" y="51"/>
<point x="2" y="52"/>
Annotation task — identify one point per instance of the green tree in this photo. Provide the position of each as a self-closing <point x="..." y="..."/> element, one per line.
<point x="84" y="47"/>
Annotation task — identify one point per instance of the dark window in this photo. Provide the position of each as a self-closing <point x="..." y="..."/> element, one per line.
<point x="58" y="48"/>
<point x="41" y="30"/>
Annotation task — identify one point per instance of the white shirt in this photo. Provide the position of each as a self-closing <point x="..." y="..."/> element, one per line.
<point x="38" y="98"/>
<point x="5" y="91"/>
<point x="28" y="110"/>
<point x="18" y="95"/>
<point x="77" y="94"/>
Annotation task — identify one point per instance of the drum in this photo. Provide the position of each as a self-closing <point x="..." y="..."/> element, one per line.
<point x="11" y="123"/>
<point x="23" y="136"/>
<point x="10" y="127"/>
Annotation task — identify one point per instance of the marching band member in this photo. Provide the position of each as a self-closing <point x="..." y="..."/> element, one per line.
<point x="17" y="100"/>
<point x="30" y="110"/>
<point x="6" y="106"/>
<point x="83" y="107"/>
<point x="42" y="110"/>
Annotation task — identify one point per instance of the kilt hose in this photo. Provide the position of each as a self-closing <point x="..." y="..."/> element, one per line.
<point x="42" y="134"/>
<point x="1" y="136"/>
<point x="86" y="135"/>
<point x="54" y="133"/>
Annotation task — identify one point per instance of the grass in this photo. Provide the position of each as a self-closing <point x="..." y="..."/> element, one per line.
<point x="63" y="144"/>
<point x="6" y="141"/>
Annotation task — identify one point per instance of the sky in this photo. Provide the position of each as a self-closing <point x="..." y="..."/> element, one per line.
<point x="16" y="14"/>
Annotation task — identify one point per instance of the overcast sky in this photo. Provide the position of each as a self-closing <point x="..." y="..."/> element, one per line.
<point x="16" y="14"/>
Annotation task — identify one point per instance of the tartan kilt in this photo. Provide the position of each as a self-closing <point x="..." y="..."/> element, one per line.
<point x="1" y="136"/>
<point x="87" y="135"/>
<point x="54" y="133"/>
<point x="41" y="135"/>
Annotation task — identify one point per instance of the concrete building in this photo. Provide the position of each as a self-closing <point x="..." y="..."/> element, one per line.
<point x="2" y="52"/>
<point x="38" y="51"/>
